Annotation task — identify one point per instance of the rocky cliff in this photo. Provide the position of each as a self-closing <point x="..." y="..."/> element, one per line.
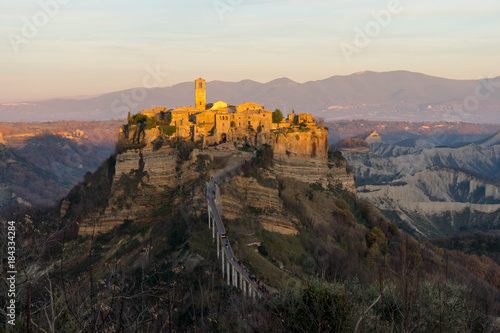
<point x="302" y="157"/>
<point x="434" y="191"/>
<point x="143" y="180"/>
<point x="246" y="195"/>
<point x="305" y="143"/>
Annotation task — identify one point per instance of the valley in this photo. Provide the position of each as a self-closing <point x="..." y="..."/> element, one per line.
<point x="433" y="191"/>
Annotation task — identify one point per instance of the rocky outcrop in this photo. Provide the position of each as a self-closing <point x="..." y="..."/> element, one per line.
<point x="433" y="191"/>
<point x="316" y="171"/>
<point x="309" y="143"/>
<point x="303" y="155"/>
<point x="143" y="179"/>
<point x="260" y="197"/>
<point x="244" y="195"/>
<point x="374" y="137"/>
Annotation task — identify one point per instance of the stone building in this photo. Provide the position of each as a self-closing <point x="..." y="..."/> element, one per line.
<point x="220" y="121"/>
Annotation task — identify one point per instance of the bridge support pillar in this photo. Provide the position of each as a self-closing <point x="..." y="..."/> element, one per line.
<point x="228" y="268"/>
<point x="209" y="214"/>
<point x="245" y="288"/>
<point x="222" y="253"/>
<point x="218" y="247"/>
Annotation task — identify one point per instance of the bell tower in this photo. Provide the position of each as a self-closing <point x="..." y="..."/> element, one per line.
<point x="200" y="94"/>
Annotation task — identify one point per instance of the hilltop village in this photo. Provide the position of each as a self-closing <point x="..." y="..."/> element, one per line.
<point x="214" y="123"/>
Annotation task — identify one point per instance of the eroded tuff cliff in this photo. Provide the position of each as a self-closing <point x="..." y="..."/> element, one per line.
<point x="305" y="144"/>
<point x="304" y="156"/>
<point x="258" y="193"/>
<point x="143" y="182"/>
<point x="147" y="181"/>
<point x="242" y="196"/>
<point x="300" y="156"/>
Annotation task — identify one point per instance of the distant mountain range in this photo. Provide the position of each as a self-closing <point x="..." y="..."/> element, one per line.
<point x="390" y="96"/>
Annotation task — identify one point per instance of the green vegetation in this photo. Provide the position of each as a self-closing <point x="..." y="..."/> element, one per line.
<point x="168" y="130"/>
<point x="185" y="148"/>
<point x="474" y="243"/>
<point x="277" y="116"/>
<point x="138" y="118"/>
<point x="349" y="269"/>
<point x="249" y="149"/>
<point x="304" y="129"/>
<point x="151" y="123"/>
<point x="157" y="144"/>
<point x="264" y="157"/>
<point x="335" y="158"/>
<point x="268" y="182"/>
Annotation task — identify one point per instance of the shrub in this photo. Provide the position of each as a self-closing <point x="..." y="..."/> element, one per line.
<point x="150" y="123"/>
<point x="185" y="148"/>
<point x="264" y="157"/>
<point x="157" y="144"/>
<point x="138" y="118"/>
<point x="262" y="250"/>
<point x="168" y="130"/>
<point x="277" y="116"/>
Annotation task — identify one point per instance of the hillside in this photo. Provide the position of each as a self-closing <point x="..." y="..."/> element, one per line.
<point x="438" y="201"/>
<point x="41" y="162"/>
<point x="433" y="191"/>
<point x="440" y="133"/>
<point x="25" y="183"/>
<point x="129" y="249"/>
<point x="389" y="96"/>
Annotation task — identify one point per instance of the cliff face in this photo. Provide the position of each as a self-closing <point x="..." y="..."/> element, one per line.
<point x="301" y="157"/>
<point x="245" y="195"/>
<point x="311" y="144"/>
<point x="304" y="156"/>
<point x="143" y="180"/>
<point x="438" y="201"/>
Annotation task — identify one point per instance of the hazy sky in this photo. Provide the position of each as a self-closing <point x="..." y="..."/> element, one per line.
<point x="85" y="47"/>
